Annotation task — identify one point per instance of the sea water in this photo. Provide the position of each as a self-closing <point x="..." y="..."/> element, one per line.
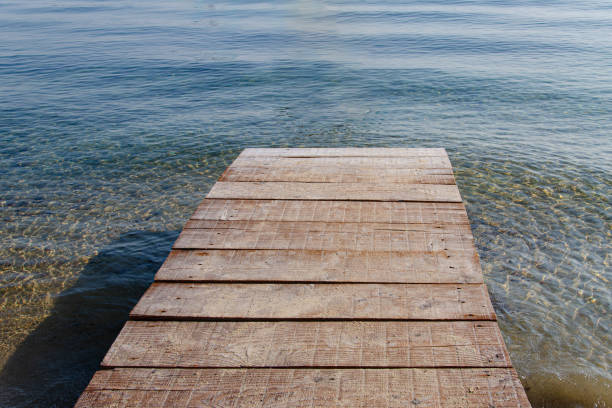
<point x="117" y="116"/>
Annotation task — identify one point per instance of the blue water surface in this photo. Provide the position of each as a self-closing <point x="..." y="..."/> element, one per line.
<point x="117" y="116"/>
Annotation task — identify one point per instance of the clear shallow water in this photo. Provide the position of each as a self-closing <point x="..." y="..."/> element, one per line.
<point x="116" y="117"/>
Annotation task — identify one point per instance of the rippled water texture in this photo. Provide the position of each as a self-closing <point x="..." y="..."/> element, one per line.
<point x="117" y="116"/>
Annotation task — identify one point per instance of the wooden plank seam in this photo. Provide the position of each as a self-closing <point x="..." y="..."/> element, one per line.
<point x="302" y="280"/>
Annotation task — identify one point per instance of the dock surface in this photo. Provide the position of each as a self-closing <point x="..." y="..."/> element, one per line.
<point x="317" y="278"/>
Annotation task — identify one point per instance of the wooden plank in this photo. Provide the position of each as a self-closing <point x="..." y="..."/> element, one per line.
<point x="338" y="175"/>
<point x="344" y="152"/>
<point x="332" y="211"/>
<point x="322" y="266"/>
<point x="335" y="191"/>
<point x="367" y="388"/>
<point x="308" y="344"/>
<point x="319" y="226"/>
<point x="314" y="301"/>
<point x="203" y="234"/>
<point x="317" y="277"/>
<point x="357" y="162"/>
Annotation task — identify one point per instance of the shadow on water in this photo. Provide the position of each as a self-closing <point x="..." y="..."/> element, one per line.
<point x="56" y="361"/>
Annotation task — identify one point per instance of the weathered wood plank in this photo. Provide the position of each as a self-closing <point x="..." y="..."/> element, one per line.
<point x="332" y="211"/>
<point x="317" y="277"/>
<point x="308" y="344"/>
<point x="344" y="152"/>
<point x="315" y="301"/>
<point x="360" y="162"/>
<point x="343" y="227"/>
<point x="338" y="175"/>
<point x="335" y="191"/>
<point x="322" y="266"/>
<point x="205" y="234"/>
<point x="367" y="388"/>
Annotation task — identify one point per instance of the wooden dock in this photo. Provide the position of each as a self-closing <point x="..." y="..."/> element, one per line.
<point x="317" y="278"/>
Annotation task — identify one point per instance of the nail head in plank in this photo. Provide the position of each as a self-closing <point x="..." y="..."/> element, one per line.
<point x="344" y="151"/>
<point x="321" y="174"/>
<point x="314" y="301"/>
<point x="355" y="162"/>
<point x="324" y="236"/>
<point x="321" y="266"/>
<point x="308" y="344"/>
<point x="332" y="211"/>
<point x="335" y="191"/>
<point x="366" y="388"/>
